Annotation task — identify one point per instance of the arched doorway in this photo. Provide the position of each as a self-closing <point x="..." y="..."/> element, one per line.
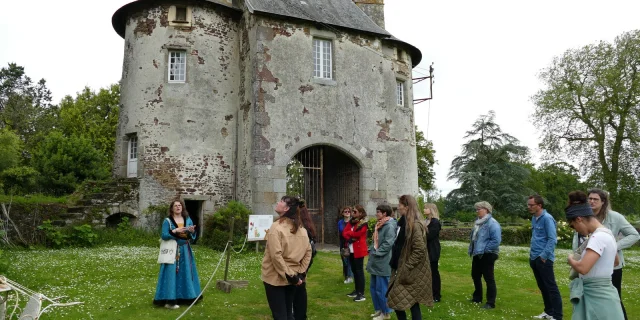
<point x="327" y="179"/>
<point x="115" y="219"/>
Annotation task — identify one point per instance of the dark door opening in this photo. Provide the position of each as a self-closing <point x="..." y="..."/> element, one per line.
<point x="194" y="208"/>
<point x="326" y="178"/>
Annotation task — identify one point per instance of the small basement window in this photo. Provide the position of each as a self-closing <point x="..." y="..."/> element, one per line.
<point x="180" y="16"/>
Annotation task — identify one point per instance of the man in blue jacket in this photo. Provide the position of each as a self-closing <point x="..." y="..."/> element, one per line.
<point x="541" y="257"/>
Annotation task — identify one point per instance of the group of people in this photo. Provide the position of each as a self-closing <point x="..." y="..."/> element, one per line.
<point x="404" y="254"/>
<point x="403" y="257"/>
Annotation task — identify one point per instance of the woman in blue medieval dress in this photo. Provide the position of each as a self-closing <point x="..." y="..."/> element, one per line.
<point x="178" y="283"/>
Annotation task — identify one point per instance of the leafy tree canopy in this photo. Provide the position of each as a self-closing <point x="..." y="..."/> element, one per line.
<point x="489" y="170"/>
<point x="426" y="161"/>
<point x="589" y="110"/>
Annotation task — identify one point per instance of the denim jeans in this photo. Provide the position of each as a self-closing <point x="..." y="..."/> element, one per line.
<point x="378" y="287"/>
<point x="543" y="271"/>
<point x="346" y="268"/>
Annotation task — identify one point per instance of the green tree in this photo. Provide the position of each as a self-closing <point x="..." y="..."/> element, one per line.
<point x="25" y="107"/>
<point x="489" y="170"/>
<point x="553" y="182"/>
<point x="94" y="116"/>
<point x="426" y="160"/>
<point x="589" y="110"/>
<point x="10" y="149"/>
<point x="64" y="162"/>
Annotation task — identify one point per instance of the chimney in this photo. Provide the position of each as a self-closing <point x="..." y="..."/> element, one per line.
<point x="374" y="9"/>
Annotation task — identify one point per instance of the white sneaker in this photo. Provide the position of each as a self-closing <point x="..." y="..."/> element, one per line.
<point x="378" y="312"/>
<point x="348" y="280"/>
<point x="169" y="306"/>
<point x="543" y="315"/>
<point x="382" y="316"/>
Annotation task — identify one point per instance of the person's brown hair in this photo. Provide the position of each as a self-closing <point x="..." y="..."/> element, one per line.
<point x="538" y="200"/>
<point x="362" y="213"/>
<point x="184" y="213"/>
<point x="293" y="213"/>
<point x="412" y="213"/>
<point x="606" y="204"/>
<point x="386" y="209"/>
<point x="307" y="222"/>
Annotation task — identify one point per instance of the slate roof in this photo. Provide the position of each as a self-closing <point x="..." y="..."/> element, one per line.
<point x="339" y="13"/>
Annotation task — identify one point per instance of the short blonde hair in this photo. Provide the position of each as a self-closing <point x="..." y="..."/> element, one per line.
<point x="434" y="210"/>
<point x="483" y="204"/>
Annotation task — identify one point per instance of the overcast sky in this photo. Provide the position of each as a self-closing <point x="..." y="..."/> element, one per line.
<point x="487" y="54"/>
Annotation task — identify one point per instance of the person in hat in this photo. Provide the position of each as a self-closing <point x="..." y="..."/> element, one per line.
<point x="593" y="295"/>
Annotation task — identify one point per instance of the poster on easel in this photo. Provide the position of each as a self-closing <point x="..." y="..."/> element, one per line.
<point x="258" y="226"/>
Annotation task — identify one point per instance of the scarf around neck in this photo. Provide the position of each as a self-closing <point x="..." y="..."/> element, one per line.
<point x="479" y="224"/>
<point x="379" y="225"/>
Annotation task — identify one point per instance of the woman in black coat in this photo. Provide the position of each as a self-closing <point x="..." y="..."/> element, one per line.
<point x="433" y="246"/>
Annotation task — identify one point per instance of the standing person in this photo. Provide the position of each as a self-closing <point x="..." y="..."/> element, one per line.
<point x="484" y="248"/>
<point x="433" y="246"/>
<point x="626" y="234"/>
<point x="286" y="258"/>
<point x="344" y="217"/>
<point x="378" y="264"/>
<point x="178" y="283"/>
<point x="355" y="233"/>
<point x="542" y="256"/>
<point x="300" y="296"/>
<point x="593" y="295"/>
<point x="410" y="283"/>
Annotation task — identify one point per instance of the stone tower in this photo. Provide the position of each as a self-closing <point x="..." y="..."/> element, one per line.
<point x="219" y="97"/>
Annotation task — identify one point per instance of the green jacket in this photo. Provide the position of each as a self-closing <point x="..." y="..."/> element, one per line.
<point x="378" y="264"/>
<point x="594" y="299"/>
<point x="626" y="235"/>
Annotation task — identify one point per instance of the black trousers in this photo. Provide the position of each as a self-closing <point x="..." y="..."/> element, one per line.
<point x="543" y="272"/>
<point x="357" y="266"/>
<point x="483" y="268"/>
<point x="416" y="314"/>
<point x="280" y="299"/>
<point x="616" y="279"/>
<point x="300" y="302"/>
<point x="435" y="280"/>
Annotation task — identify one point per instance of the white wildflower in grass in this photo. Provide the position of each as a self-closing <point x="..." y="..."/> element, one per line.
<point x="119" y="283"/>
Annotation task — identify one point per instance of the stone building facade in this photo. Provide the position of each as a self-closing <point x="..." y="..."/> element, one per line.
<point x="218" y="97"/>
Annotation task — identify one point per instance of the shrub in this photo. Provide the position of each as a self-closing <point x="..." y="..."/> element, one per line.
<point x="217" y="226"/>
<point x="516" y="236"/>
<point x="55" y="237"/>
<point x="565" y="234"/>
<point x="84" y="236"/>
<point x="371" y="224"/>
<point x="127" y="236"/>
<point x="465" y="216"/>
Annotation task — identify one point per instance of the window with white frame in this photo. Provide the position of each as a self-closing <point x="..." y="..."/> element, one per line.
<point x="177" y="66"/>
<point x="322" y="59"/>
<point x="132" y="158"/>
<point x="400" y="93"/>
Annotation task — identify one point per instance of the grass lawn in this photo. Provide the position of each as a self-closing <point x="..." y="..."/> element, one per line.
<point x="119" y="283"/>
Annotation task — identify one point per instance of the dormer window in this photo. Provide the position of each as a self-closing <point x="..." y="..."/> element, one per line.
<point x="180" y="16"/>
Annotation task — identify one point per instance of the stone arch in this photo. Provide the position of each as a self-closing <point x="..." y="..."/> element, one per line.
<point x="361" y="155"/>
<point x="328" y="177"/>
<point x="113" y="220"/>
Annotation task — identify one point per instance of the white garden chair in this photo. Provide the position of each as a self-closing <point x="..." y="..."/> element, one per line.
<point x="33" y="309"/>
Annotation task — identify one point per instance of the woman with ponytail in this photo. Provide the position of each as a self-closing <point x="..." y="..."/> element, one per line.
<point x="286" y="258"/>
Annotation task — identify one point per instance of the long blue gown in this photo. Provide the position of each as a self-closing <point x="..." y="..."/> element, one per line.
<point x="183" y="286"/>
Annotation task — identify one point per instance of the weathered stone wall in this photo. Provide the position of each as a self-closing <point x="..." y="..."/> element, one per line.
<point x="355" y="112"/>
<point x="186" y="131"/>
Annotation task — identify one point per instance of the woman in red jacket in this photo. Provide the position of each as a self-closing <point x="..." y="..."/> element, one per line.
<point x="355" y="234"/>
